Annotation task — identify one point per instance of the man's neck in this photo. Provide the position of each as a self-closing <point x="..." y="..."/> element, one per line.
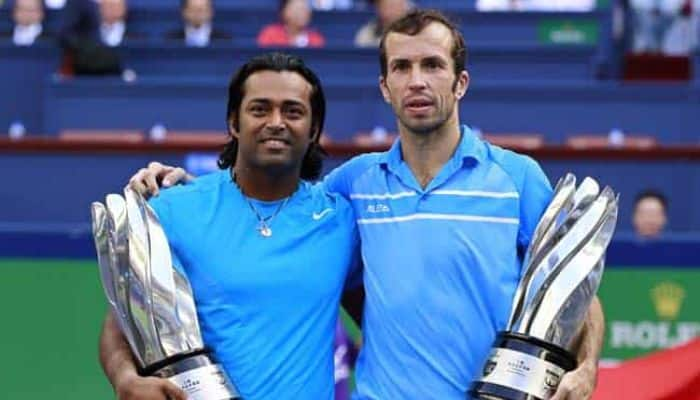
<point x="427" y="153"/>
<point x="266" y="185"/>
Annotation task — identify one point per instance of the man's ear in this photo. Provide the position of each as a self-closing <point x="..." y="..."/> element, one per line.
<point x="462" y="84"/>
<point x="315" y="134"/>
<point x="232" y="131"/>
<point x="385" y="89"/>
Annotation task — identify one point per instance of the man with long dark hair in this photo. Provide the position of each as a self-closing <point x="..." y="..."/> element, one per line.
<point x="248" y="236"/>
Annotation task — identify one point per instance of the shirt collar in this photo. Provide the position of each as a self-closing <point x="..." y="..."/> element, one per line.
<point x="113" y="34"/>
<point x="469" y="147"/>
<point x="198" y="37"/>
<point x="25" y="35"/>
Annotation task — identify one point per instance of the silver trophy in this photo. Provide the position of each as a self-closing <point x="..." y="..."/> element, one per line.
<point x="562" y="270"/>
<point x="151" y="298"/>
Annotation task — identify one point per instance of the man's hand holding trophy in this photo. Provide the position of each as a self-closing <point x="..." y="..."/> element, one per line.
<point x="151" y="298"/>
<point x="562" y="270"/>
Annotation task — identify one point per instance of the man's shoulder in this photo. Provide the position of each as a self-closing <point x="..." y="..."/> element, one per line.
<point x="359" y="165"/>
<point x="199" y="187"/>
<point x="518" y="166"/>
<point x="322" y="199"/>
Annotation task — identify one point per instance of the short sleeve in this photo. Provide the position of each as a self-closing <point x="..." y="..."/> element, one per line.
<point x="535" y="195"/>
<point x="340" y="179"/>
<point x="162" y="208"/>
<point x="337" y="181"/>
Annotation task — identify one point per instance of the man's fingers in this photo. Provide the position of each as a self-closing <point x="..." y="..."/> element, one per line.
<point x="172" y="391"/>
<point x="144" y="182"/>
<point x="563" y="390"/>
<point x="176" y="175"/>
<point x="151" y="183"/>
<point x="155" y="166"/>
<point x="138" y="182"/>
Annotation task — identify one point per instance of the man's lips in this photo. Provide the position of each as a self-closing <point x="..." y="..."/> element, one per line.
<point x="275" y="143"/>
<point x="418" y="104"/>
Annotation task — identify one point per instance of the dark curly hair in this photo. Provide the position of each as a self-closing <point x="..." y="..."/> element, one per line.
<point x="313" y="159"/>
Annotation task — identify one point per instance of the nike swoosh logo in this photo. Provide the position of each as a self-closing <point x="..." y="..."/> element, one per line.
<point x="317" y="216"/>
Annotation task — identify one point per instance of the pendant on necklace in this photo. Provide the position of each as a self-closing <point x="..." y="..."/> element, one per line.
<point x="265" y="231"/>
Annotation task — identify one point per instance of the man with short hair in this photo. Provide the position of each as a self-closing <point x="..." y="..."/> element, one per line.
<point x="248" y="238"/>
<point x="444" y="220"/>
<point x="197" y="24"/>
<point x="113" y="28"/>
<point x="28" y="17"/>
<point x="649" y="218"/>
<point x="388" y="11"/>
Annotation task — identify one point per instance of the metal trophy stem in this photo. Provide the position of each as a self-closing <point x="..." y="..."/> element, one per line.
<point x="562" y="271"/>
<point x="151" y="298"/>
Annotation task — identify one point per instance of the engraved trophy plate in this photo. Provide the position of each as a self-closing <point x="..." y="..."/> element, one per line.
<point x="563" y="267"/>
<point x="151" y="298"/>
<point x="523" y="372"/>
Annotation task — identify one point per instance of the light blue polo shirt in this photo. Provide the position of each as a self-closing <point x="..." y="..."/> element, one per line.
<point x="267" y="306"/>
<point x="441" y="264"/>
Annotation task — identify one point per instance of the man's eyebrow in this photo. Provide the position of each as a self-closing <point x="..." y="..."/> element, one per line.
<point x="260" y="100"/>
<point x="434" y="58"/>
<point x="289" y="103"/>
<point x="398" y="60"/>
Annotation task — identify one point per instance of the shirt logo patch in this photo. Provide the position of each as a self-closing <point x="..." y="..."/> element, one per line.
<point x="317" y="216"/>
<point x="377" y="208"/>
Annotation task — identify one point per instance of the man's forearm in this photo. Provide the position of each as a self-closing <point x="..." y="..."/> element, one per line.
<point x="115" y="353"/>
<point x="592" y="334"/>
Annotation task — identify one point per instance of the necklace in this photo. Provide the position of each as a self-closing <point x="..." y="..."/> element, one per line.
<point x="263" y="227"/>
<point x="264" y="222"/>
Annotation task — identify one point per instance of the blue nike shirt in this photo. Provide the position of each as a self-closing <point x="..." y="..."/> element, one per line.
<point x="441" y="264"/>
<point x="267" y="306"/>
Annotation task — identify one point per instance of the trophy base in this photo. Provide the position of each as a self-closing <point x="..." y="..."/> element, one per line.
<point x="522" y="368"/>
<point x="198" y="375"/>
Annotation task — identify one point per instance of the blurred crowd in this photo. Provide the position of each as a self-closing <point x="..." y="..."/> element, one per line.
<point x="657" y="26"/>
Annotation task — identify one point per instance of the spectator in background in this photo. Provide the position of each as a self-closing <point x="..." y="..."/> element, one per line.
<point x="662" y="26"/>
<point x="293" y="30"/>
<point x="113" y="27"/>
<point x="649" y="217"/>
<point x="81" y="40"/>
<point x="327" y="5"/>
<point x="197" y="29"/>
<point x="535" y="5"/>
<point x="27" y="18"/>
<point x="387" y="11"/>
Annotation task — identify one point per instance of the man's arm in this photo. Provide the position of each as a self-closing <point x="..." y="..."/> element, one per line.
<point x="579" y="384"/>
<point x="119" y="367"/>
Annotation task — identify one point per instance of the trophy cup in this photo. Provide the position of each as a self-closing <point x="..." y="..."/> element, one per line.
<point x="563" y="267"/>
<point x="151" y="298"/>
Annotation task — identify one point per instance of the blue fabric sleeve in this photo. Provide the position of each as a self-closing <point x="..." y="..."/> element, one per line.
<point x="535" y="195"/>
<point x="163" y="210"/>
<point x="340" y="179"/>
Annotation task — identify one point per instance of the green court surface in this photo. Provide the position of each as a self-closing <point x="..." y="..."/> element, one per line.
<point x="51" y="317"/>
<point x="52" y="312"/>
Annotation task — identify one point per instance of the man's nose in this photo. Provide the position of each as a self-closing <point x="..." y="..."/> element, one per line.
<point x="276" y="122"/>
<point x="416" y="79"/>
